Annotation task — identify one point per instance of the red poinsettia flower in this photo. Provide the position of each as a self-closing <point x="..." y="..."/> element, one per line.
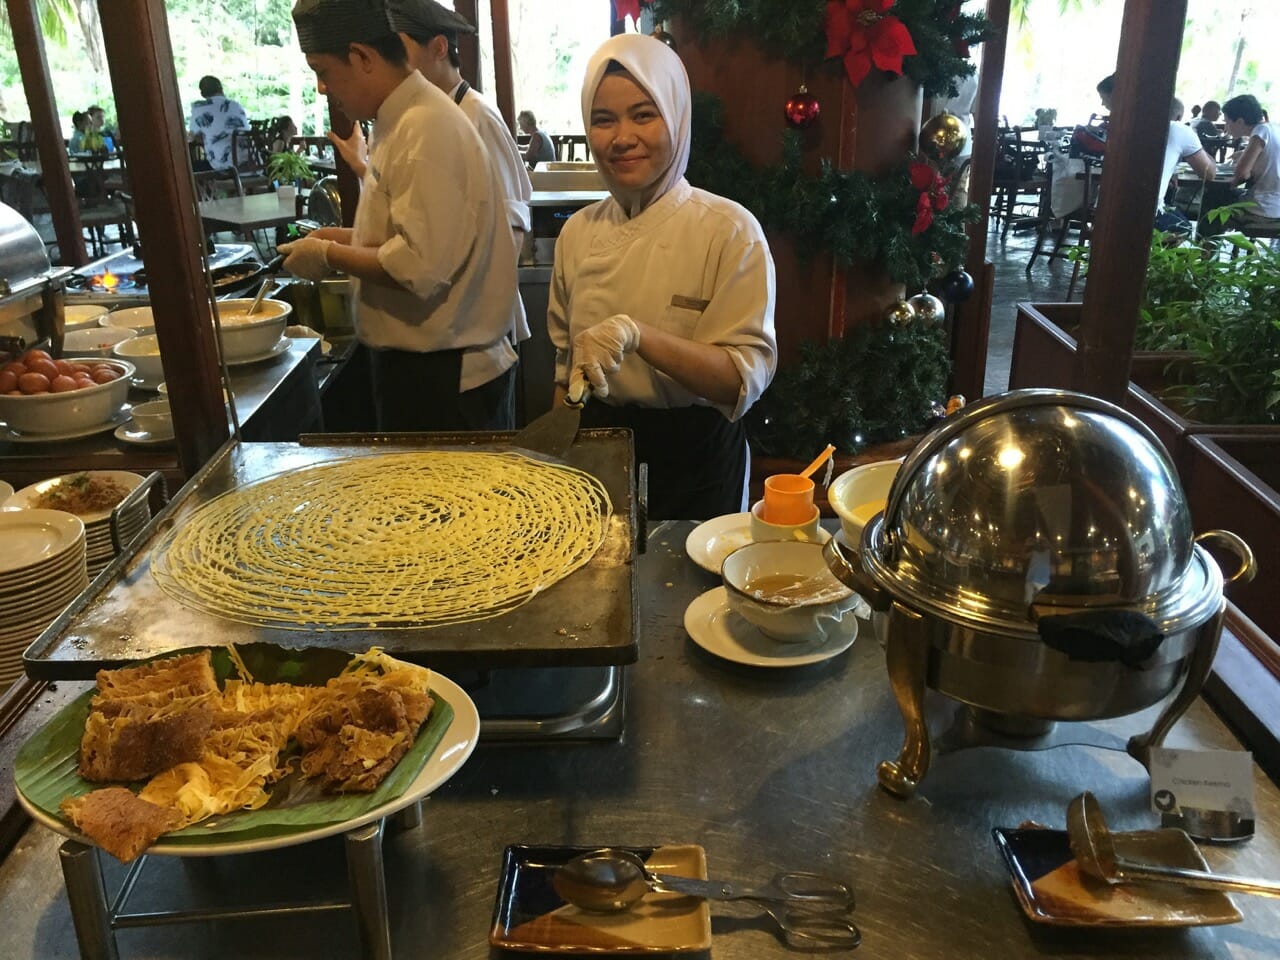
<point x="924" y="215"/>
<point x="621" y="8"/>
<point x="939" y="199"/>
<point x="865" y="35"/>
<point x="922" y="175"/>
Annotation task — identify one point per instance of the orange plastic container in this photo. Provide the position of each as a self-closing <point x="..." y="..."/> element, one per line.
<point x="788" y="498"/>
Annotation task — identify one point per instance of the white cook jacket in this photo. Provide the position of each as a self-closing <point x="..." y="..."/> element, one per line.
<point x="430" y="205"/>
<point x="693" y="264"/>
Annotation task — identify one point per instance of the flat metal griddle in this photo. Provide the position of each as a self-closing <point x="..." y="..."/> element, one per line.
<point x="585" y="620"/>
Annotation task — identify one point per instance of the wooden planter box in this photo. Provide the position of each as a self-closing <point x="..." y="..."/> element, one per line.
<point x="1231" y="482"/>
<point x="1044" y="355"/>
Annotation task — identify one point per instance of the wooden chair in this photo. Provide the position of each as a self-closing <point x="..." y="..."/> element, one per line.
<point x="250" y="160"/>
<point x="1018" y="181"/>
<point x="217" y="184"/>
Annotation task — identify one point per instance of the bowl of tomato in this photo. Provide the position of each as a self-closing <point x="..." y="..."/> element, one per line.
<point x="41" y="395"/>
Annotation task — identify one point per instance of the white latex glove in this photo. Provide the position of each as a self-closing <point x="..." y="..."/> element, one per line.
<point x="354" y="150"/>
<point x="599" y="351"/>
<point x="307" y="258"/>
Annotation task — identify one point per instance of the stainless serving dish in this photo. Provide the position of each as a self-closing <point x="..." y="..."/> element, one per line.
<point x="31" y="290"/>
<point x="1036" y="561"/>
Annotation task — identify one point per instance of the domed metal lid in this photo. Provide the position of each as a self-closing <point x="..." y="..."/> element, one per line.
<point x="1040" y="498"/>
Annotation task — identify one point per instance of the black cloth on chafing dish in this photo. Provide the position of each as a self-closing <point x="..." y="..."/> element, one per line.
<point x="328" y="25"/>
<point x="423" y="19"/>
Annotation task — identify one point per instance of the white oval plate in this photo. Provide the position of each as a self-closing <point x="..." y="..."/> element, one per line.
<point x="711" y="541"/>
<point x="27" y="496"/>
<point x="35" y="536"/>
<point x="13" y="436"/>
<point x="278" y="348"/>
<point x="718" y="630"/>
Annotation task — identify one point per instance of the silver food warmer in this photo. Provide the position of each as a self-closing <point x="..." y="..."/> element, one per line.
<point x="1036" y="561"/>
<point x="31" y="290"/>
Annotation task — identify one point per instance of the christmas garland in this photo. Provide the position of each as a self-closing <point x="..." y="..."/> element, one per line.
<point x="927" y="40"/>
<point x="902" y="221"/>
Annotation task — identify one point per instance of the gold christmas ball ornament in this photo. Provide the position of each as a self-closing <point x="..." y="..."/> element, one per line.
<point x="943" y="137"/>
<point x="901" y="314"/>
<point x="660" y="34"/>
<point x="927" y="307"/>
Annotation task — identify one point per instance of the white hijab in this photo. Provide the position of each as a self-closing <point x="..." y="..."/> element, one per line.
<point x="657" y="68"/>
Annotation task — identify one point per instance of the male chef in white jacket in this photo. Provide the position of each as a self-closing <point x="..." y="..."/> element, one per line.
<point x="430" y="251"/>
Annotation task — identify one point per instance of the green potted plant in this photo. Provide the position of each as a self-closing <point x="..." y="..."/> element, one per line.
<point x="289" y="167"/>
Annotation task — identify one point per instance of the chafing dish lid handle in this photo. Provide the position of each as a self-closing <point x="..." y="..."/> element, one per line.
<point x="1101" y="636"/>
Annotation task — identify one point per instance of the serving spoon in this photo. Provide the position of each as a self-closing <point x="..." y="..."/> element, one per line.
<point x="1095" y="851"/>
<point x="262" y="292"/>
<point x="805" y="906"/>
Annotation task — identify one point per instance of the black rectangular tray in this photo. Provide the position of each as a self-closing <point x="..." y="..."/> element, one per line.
<point x="585" y="620"/>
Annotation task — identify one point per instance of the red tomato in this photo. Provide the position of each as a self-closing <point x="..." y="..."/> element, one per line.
<point x="46" y="367"/>
<point x="16" y="367"/>
<point x="8" y="381"/>
<point x="104" y="374"/>
<point x="62" y="383"/>
<point x="35" y="355"/>
<point x="64" y="366"/>
<point x="79" y="368"/>
<point x="83" y="380"/>
<point x="33" y="383"/>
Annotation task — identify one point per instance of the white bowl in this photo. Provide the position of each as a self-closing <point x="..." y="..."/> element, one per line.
<point x="144" y="353"/>
<point x="163" y="390"/>
<point x="73" y="410"/>
<point x="77" y="316"/>
<point x="245" y="335"/>
<point x="859" y="494"/>
<point x="784" y="589"/>
<point x="155" y="417"/>
<point x="135" y="318"/>
<point x="95" y="341"/>
<point x="762" y="529"/>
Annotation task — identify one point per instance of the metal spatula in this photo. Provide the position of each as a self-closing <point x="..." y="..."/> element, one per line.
<point x="554" y="431"/>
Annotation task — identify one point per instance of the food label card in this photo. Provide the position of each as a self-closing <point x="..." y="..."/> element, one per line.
<point x="1208" y="793"/>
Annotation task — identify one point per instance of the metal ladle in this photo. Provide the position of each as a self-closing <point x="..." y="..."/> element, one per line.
<point x="805" y="906"/>
<point x="1095" y="851"/>
<point x="262" y="292"/>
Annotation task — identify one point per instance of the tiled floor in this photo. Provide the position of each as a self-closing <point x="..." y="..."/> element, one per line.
<point x="1047" y="283"/>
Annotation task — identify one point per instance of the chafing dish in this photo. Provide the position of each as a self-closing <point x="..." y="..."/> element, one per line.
<point x="1036" y="561"/>
<point x="31" y="290"/>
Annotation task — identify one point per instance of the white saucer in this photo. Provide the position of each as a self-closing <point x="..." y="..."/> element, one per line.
<point x="711" y="541"/>
<point x="141" y="437"/>
<point x="141" y="383"/>
<point x="13" y="436"/>
<point x="280" y="347"/>
<point x="717" y="629"/>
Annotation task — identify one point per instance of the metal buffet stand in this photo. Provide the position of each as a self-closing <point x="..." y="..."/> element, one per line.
<point x="764" y="768"/>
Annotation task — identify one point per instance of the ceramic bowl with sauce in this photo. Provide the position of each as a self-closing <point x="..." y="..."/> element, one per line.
<point x="859" y="494"/>
<point x="246" y="335"/>
<point x="784" y="589"/>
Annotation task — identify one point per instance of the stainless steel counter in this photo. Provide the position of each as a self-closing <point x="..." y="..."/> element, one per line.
<point x="763" y="768"/>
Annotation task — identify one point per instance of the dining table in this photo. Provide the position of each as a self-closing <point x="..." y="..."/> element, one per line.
<point x="764" y="767"/>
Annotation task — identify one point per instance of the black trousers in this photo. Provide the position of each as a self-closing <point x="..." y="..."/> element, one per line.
<point x="697" y="459"/>
<point x="419" y="391"/>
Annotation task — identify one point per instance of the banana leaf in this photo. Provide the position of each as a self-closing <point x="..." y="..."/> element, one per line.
<point x="45" y="768"/>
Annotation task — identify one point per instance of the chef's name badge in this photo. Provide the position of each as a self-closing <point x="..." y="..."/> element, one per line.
<point x="1207" y="793"/>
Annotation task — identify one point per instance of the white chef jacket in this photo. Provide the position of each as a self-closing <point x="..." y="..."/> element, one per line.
<point x="693" y="264"/>
<point x="429" y="204"/>
<point x="509" y="172"/>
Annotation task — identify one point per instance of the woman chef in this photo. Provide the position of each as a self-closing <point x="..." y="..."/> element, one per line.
<point x="662" y="295"/>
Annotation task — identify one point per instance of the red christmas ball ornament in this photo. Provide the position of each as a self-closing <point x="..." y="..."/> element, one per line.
<point x="802" y="108"/>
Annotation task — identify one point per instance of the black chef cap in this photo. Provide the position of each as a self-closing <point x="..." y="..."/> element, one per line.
<point x="423" y="19"/>
<point x="329" y="26"/>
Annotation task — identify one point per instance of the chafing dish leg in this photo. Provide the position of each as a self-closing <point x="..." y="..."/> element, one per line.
<point x="907" y="655"/>
<point x="87" y="897"/>
<point x="1198" y="666"/>
<point x="410" y="817"/>
<point x="369" y="890"/>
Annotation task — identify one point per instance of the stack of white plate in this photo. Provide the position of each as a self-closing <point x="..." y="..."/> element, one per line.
<point x="42" y="569"/>
<point x="97" y="525"/>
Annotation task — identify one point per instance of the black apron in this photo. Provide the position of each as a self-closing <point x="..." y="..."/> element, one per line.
<point x="419" y="391"/>
<point x="697" y="458"/>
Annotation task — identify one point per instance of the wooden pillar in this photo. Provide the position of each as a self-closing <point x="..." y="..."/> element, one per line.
<point x="29" y="44"/>
<point x="469" y="45"/>
<point x="972" y="320"/>
<point x="152" y="114"/>
<point x="1150" y="43"/>
<point x="502" y="77"/>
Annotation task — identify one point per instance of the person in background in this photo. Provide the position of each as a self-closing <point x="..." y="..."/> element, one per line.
<point x="1258" y="165"/>
<point x="1195" y="111"/>
<point x="80" y="125"/>
<point x="1181" y="145"/>
<point x="281" y="135"/>
<point x="1206" y="125"/>
<point x="540" y="148"/>
<point x="430" y="253"/>
<point x="1106" y="90"/>
<point x="98" y="124"/>
<point x="430" y="33"/>
<point x="662" y="295"/>
<point x="214" y="117"/>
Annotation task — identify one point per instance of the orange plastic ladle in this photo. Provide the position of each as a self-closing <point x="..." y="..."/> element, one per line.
<point x="819" y="460"/>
